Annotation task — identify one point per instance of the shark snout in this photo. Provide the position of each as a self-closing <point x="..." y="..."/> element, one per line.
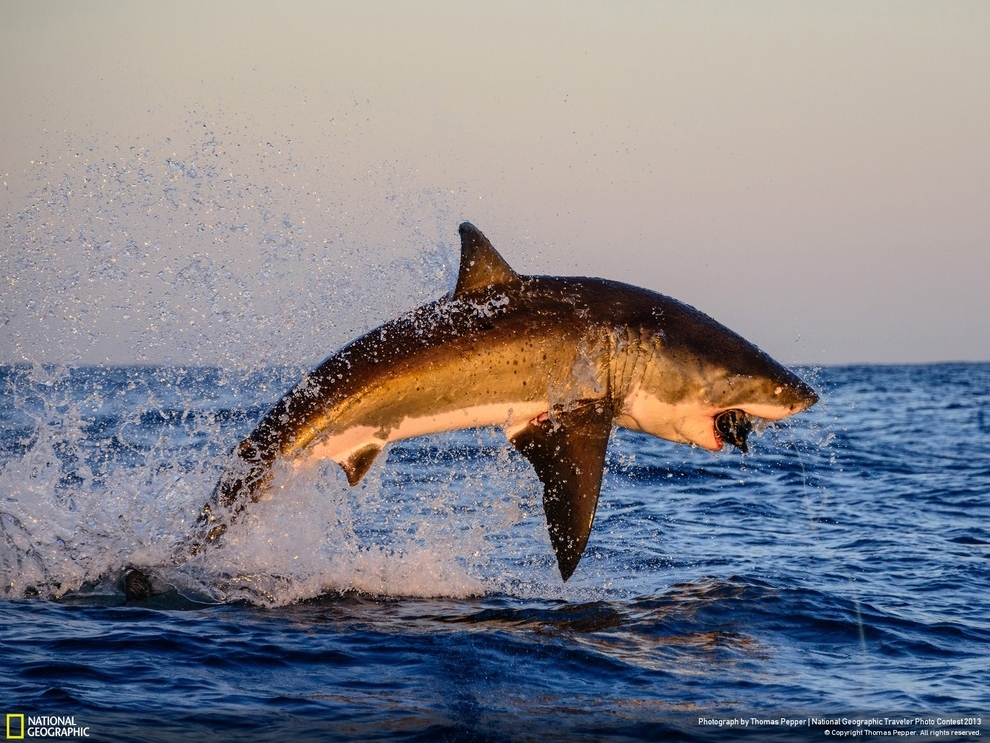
<point x="796" y="396"/>
<point x="732" y="426"/>
<point x="772" y="399"/>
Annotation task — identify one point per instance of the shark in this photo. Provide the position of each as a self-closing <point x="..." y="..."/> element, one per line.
<point x="556" y="362"/>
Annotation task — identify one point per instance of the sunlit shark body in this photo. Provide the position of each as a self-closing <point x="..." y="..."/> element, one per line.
<point x="555" y="362"/>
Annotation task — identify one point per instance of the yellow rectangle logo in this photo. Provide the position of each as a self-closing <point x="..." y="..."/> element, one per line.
<point x="18" y="733"/>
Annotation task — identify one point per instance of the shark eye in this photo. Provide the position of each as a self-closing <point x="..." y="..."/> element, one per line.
<point x="734" y="426"/>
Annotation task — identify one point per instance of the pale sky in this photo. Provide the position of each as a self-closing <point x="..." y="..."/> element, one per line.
<point x="236" y="182"/>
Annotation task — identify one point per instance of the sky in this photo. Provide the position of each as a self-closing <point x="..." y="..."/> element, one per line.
<point x="238" y="182"/>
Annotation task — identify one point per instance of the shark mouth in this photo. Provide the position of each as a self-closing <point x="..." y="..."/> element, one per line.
<point x="732" y="427"/>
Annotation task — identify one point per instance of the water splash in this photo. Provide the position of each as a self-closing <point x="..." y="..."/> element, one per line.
<point x="221" y="245"/>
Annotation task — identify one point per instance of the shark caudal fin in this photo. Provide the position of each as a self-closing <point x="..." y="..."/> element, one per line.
<point x="481" y="265"/>
<point x="567" y="450"/>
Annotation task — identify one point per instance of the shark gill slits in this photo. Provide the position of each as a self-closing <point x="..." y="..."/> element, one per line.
<point x="733" y="427"/>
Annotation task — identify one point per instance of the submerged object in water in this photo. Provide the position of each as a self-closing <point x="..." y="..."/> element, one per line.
<point x="554" y="361"/>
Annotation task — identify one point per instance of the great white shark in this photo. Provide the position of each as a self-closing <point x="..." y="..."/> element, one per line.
<point x="556" y="362"/>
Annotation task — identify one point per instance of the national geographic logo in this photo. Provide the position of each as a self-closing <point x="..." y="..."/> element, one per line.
<point x="20" y="726"/>
<point x="15" y="727"/>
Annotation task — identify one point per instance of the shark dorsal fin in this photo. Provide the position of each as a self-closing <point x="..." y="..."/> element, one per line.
<point x="481" y="265"/>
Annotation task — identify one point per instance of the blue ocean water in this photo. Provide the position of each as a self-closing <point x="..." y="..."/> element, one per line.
<point x="835" y="580"/>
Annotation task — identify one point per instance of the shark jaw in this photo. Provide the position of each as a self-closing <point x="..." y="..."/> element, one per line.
<point x="695" y="423"/>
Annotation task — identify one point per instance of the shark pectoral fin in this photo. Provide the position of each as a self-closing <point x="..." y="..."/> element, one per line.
<point x="356" y="466"/>
<point x="568" y="453"/>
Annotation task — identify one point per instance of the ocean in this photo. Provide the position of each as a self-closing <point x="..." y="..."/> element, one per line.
<point x="834" y="582"/>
